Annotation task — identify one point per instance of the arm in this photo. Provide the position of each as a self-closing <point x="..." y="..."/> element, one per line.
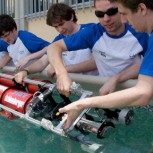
<point x="54" y="53"/>
<point x="35" y="67"/>
<point x="111" y="83"/>
<point x="50" y="71"/>
<point x="5" y="60"/>
<point x="32" y="56"/>
<point x="38" y="65"/>
<point x="135" y="96"/>
<point x="85" y="66"/>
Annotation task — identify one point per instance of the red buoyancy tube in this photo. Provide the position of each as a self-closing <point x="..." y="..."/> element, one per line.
<point x="11" y="83"/>
<point x="7" y="82"/>
<point x="16" y="99"/>
<point x="34" y="88"/>
<point x="5" y="112"/>
<point x="2" y="89"/>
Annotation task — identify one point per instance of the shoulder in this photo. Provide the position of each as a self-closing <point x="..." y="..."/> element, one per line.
<point x="3" y="45"/>
<point x="26" y="34"/>
<point x="58" y="37"/>
<point x="87" y="25"/>
<point x="134" y="32"/>
<point x="94" y="28"/>
<point x="150" y="40"/>
<point x="91" y="25"/>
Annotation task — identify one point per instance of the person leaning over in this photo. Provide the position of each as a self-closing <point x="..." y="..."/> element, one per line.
<point x="21" y="43"/>
<point x="139" y="14"/>
<point x="64" y="20"/>
<point x="116" y="48"/>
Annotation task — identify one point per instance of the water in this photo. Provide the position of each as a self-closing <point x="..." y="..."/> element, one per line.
<point x="20" y="136"/>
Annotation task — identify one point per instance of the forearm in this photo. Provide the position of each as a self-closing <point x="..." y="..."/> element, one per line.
<point x="136" y="96"/>
<point x="38" y="54"/>
<point x="2" y="64"/>
<point x="54" y="53"/>
<point x="111" y="84"/>
<point x="38" y="65"/>
<point x="85" y="66"/>
<point x="129" y="73"/>
<point x="120" y="99"/>
<point x="5" y="60"/>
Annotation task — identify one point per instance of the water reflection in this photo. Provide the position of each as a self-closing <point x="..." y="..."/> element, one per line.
<point x="22" y="137"/>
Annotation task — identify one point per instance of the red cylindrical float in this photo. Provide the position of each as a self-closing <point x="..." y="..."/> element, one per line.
<point x="34" y="88"/>
<point x="16" y="99"/>
<point x="7" y="82"/>
<point x="2" y="89"/>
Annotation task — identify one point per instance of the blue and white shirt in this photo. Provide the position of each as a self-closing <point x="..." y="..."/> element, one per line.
<point x="3" y="51"/>
<point x="3" y="46"/>
<point x="147" y="64"/>
<point x="25" y="44"/>
<point x="112" y="54"/>
<point x="70" y="58"/>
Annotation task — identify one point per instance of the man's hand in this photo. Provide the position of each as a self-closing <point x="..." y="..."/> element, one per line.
<point x="72" y="111"/>
<point x="22" y="63"/>
<point x="63" y="84"/>
<point x="109" y="86"/>
<point x="20" y="76"/>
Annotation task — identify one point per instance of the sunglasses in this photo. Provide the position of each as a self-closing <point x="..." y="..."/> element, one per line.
<point x="109" y="12"/>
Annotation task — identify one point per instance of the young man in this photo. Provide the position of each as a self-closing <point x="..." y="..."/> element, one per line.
<point x="21" y="43"/>
<point x="139" y="14"/>
<point x="64" y="19"/>
<point x="116" y="48"/>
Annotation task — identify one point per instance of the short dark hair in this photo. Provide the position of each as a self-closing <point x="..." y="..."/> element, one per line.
<point x="59" y="12"/>
<point x="7" y="23"/>
<point x="133" y="4"/>
<point x="99" y="0"/>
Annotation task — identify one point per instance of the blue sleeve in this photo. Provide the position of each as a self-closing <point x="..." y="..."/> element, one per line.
<point x="60" y="36"/>
<point x="87" y="25"/>
<point x="83" y="39"/>
<point x="3" y="46"/>
<point x="142" y="39"/>
<point x="32" y="42"/>
<point x="147" y="64"/>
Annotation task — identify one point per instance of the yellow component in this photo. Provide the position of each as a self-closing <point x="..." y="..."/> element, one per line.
<point x="58" y="113"/>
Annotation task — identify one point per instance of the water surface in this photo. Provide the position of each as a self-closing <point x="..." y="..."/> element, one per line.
<point x="20" y="136"/>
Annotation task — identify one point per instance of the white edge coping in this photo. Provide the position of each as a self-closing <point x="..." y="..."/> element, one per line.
<point x="88" y="82"/>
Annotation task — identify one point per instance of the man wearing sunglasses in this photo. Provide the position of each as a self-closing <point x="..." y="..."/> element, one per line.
<point x="109" y="12"/>
<point x="139" y="13"/>
<point x="116" y="48"/>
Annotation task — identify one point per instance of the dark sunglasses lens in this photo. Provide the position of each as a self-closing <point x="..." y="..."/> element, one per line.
<point x="112" y="11"/>
<point x="109" y="12"/>
<point x="99" y="14"/>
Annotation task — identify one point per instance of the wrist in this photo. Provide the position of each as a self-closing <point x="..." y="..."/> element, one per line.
<point x="69" y="69"/>
<point x="61" y="73"/>
<point x="25" y="70"/>
<point x="115" y="78"/>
